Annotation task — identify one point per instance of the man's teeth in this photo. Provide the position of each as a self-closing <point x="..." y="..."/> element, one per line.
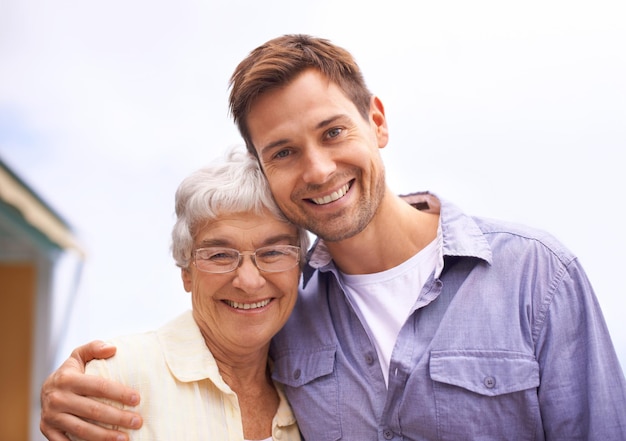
<point x="238" y="305"/>
<point x="333" y="196"/>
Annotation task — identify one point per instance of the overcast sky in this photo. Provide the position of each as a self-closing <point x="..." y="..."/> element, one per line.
<point x="510" y="109"/>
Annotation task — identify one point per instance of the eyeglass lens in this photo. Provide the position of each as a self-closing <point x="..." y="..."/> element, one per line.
<point x="270" y="259"/>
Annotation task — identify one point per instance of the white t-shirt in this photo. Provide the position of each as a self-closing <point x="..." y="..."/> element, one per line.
<point x="386" y="299"/>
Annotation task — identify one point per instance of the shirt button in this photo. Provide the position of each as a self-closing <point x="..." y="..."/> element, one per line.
<point x="388" y="433"/>
<point x="489" y="382"/>
<point x="278" y="433"/>
<point x="297" y="373"/>
<point x="369" y="359"/>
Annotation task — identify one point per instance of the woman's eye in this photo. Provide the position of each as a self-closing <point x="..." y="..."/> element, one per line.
<point x="271" y="253"/>
<point x="221" y="256"/>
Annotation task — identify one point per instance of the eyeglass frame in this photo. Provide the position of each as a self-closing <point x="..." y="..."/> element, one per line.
<point x="253" y="256"/>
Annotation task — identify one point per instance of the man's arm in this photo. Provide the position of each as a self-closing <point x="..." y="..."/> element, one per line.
<point x="582" y="394"/>
<point x="66" y="402"/>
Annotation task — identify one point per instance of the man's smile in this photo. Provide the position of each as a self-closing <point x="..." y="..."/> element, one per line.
<point x="335" y="195"/>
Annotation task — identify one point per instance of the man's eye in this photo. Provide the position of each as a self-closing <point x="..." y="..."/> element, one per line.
<point x="335" y="132"/>
<point x="282" y="154"/>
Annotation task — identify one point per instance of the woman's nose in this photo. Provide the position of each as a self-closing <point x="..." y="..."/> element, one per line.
<point x="247" y="276"/>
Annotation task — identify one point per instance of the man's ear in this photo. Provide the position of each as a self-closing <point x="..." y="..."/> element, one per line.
<point x="377" y="114"/>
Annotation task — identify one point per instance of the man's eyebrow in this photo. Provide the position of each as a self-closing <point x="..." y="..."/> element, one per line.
<point x="324" y="123"/>
<point x="274" y="144"/>
<point x="331" y="120"/>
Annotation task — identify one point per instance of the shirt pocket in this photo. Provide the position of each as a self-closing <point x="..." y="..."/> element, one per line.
<point x="495" y="390"/>
<point x="310" y="382"/>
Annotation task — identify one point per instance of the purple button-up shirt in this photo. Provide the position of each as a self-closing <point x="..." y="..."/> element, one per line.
<point x="507" y="342"/>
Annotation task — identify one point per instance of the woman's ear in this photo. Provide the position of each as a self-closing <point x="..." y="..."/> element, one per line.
<point x="185" y="274"/>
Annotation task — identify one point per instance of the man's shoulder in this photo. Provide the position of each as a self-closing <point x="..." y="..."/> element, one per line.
<point x="502" y="233"/>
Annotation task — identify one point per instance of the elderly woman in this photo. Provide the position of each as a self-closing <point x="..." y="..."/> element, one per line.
<point x="205" y="375"/>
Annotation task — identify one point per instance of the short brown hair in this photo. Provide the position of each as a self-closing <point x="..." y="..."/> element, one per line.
<point x="279" y="61"/>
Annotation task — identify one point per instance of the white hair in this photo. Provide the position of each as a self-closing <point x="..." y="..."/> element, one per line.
<point x="233" y="184"/>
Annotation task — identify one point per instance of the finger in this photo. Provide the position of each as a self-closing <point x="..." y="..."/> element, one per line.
<point x="81" y="429"/>
<point x="52" y="434"/>
<point x="59" y="406"/>
<point x="92" y="350"/>
<point x="65" y="397"/>
<point x="68" y="382"/>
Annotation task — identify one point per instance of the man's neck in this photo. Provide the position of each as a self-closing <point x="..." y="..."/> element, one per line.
<point x="396" y="233"/>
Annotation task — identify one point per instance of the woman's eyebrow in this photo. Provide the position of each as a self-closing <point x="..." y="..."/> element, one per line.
<point x="290" y="238"/>
<point x="271" y="240"/>
<point x="214" y="242"/>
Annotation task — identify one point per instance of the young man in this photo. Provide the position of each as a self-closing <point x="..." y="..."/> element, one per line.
<point x="414" y="321"/>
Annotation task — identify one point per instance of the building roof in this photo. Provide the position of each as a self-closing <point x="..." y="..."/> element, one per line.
<point x="35" y="211"/>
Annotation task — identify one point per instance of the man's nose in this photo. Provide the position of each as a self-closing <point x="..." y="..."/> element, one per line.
<point x="318" y="164"/>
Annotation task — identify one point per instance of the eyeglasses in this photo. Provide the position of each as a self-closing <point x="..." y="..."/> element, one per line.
<point x="271" y="259"/>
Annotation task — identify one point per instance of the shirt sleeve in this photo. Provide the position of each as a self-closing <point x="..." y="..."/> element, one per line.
<point x="582" y="394"/>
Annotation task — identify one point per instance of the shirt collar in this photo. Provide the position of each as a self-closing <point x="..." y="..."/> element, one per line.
<point x="461" y="236"/>
<point x="186" y="353"/>
<point x="189" y="359"/>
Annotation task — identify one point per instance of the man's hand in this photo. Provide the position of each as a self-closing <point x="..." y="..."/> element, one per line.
<point x="65" y="401"/>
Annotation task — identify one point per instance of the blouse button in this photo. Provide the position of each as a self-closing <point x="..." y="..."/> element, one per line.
<point x="297" y="373"/>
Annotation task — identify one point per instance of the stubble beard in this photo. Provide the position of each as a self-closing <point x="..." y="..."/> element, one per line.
<point x="343" y="225"/>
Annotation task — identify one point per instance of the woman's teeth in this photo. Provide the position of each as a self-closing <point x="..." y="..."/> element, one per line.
<point x="333" y="196"/>
<point x="238" y="305"/>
